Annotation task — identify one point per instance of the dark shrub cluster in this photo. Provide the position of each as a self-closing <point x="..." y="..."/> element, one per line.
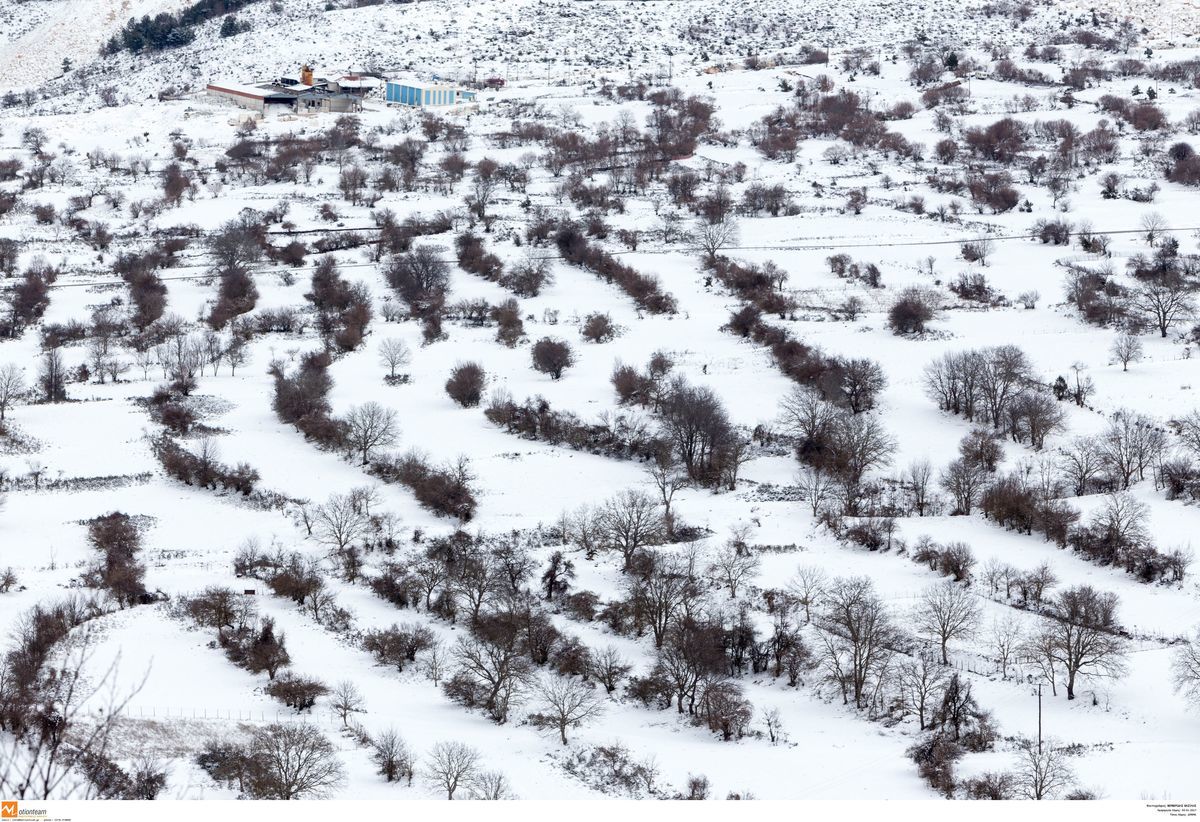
<point x="343" y="310"/>
<point x="758" y="286"/>
<point x="34" y="640"/>
<point x="304" y="392"/>
<point x="284" y="320"/>
<point x="396" y="236"/>
<point x="445" y="491"/>
<point x="645" y="388"/>
<point x="1184" y="167"/>
<point x="203" y="469"/>
<point x="911" y="311"/>
<point x="398" y="645"/>
<point x="551" y="356"/>
<point x="27" y="300"/>
<point x="849" y="383"/>
<point x="118" y="541"/>
<point x="510" y="328"/>
<point x="644" y="290"/>
<point x="598" y="328"/>
<point x="295" y="691"/>
<point x="954" y="560"/>
<point x="852" y="384"/>
<point x="473" y="257"/>
<point x="993" y="191"/>
<point x="236" y="295"/>
<point x="465" y="385"/>
<point x="1114" y="535"/>
<point x="248" y="641"/>
<point x="536" y="420"/>
<point x="1136" y="556"/>
<point x="147" y="291"/>
<point x="842" y="266"/>
<point x="1014" y="504"/>
<point x="974" y="287"/>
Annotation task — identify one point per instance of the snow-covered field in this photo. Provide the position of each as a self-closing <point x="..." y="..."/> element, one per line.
<point x="89" y="186"/>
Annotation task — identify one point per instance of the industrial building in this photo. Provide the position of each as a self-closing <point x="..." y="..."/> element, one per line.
<point x="254" y="98"/>
<point x="301" y="94"/>
<point x="427" y="95"/>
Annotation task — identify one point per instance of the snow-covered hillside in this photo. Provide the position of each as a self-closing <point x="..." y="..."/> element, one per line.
<point x="880" y="378"/>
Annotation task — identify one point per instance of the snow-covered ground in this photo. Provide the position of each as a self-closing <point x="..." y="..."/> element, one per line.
<point x="1130" y="737"/>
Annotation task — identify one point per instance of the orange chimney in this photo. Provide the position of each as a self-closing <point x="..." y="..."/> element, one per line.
<point x="306" y="75"/>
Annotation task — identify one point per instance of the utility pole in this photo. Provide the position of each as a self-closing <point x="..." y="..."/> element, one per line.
<point x="1039" y="718"/>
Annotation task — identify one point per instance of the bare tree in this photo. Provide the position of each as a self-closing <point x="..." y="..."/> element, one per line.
<point x="858" y="444"/>
<point x="294" y="761"/>
<point x="1038" y="652"/>
<point x="1122" y="520"/>
<point x="502" y="672"/>
<point x="1006" y="640"/>
<point x="1126" y="348"/>
<point x="1153" y="224"/>
<point x="964" y="480"/>
<point x="1003" y="372"/>
<point x="393" y="354"/>
<point x="1081" y="636"/>
<point x="1084" y="386"/>
<point x="808" y="586"/>
<point x="450" y="766"/>
<point x="1188" y="429"/>
<point x="566" y="702"/>
<point x="947" y="611"/>
<point x="346" y="700"/>
<point x="713" y="236"/>
<point x="490" y="785"/>
<point x="237" y="355"/>
<point x="52" y="377"/>
<point x="805" y="415"/>
<point x="1042" y="771"/>
<point x="733" y="564"/>
<point x="1131" y="444"/>
<point x="668" y="478"/>
<point x="352" y="182"/>
<point x="392" y="756"/>
<point x="12" y="387"/>
<point x="858" y="638"/>
<point x="1165" y="300"/>
<point x="609" y="667"/>
<point x="420" y="277"/>
<point x="817" y="487"/>
<point x="42" y="765"/>
<point x="630" y="521"/>
<point x="340" y="521"/>
<point x="773" y="721"/>
<point x="1185" y="669"/>
<point x="1081" y="462"/>
<point x="922" y="682"/>
<point x="437" y="659"/>
<point x="371" y="426"/>
<point x="919" y="482"/>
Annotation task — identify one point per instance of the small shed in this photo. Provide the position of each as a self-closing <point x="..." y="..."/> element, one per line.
<point x="317" y="100"/>
<point x="357" y="84"/>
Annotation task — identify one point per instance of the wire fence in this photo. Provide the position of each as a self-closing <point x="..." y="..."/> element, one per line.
<point x="322" y="718"/>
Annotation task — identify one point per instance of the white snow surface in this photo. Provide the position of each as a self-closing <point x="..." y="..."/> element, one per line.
<point x="1134" y="736"/>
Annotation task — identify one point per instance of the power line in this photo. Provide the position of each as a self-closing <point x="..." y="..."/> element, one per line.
<point x="782" y="247"/>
